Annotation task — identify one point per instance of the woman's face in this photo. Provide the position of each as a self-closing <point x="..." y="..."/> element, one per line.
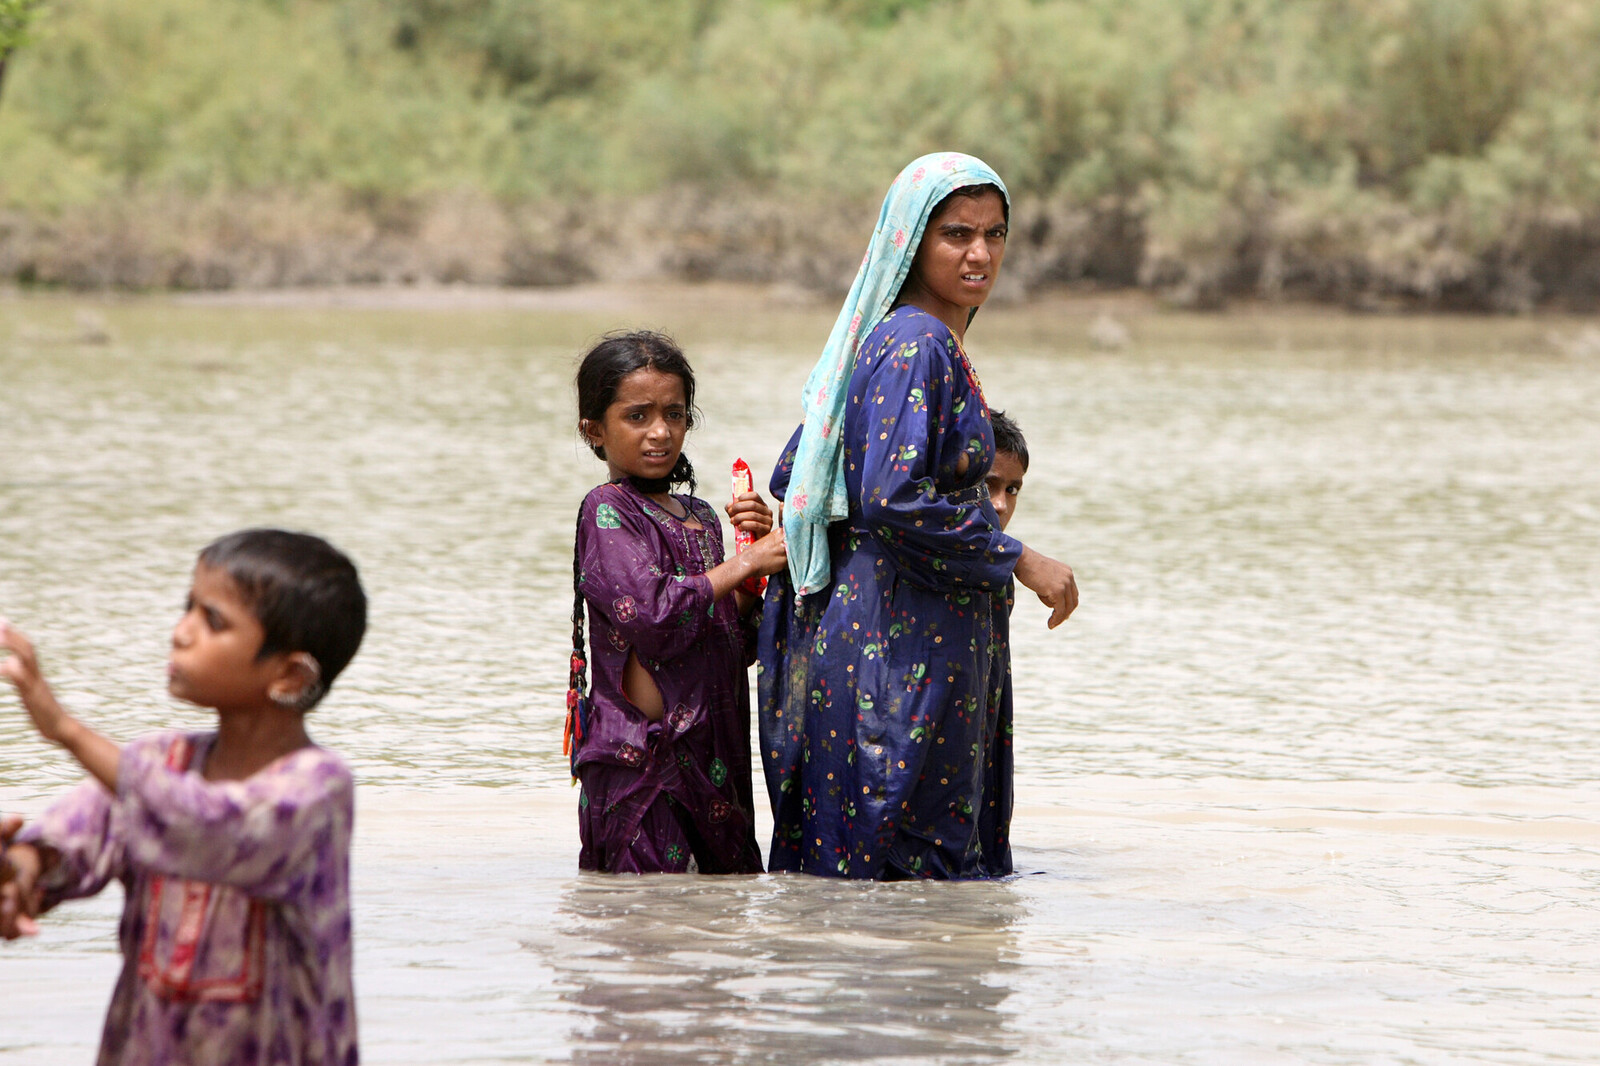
<point x="959" y="258"/>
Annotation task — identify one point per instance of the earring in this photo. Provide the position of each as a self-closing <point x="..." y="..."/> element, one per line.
<point x="308" y="696"/>
<point x="298" y="701"/>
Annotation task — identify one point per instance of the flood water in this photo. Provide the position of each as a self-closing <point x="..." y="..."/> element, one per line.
<point x="1308" y="778"/>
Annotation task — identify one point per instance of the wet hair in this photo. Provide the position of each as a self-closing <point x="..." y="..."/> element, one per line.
<point x="972" y="192"/>
<point x="305" y="593"/>
<point x="1008" y="437"/>
<point x="614" y="358"/>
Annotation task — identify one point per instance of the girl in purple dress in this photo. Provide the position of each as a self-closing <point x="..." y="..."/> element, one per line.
<point x="233" y="847"/>
<point x="660" y="740"/>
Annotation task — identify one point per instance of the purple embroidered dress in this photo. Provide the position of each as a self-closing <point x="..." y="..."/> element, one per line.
<point x="235" y="926"/>
<point x="656" y="794"/>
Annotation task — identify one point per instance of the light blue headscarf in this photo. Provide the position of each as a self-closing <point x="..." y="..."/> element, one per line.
<point x="816" y="494"/>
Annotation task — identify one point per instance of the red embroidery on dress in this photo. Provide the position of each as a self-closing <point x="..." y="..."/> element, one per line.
<point x="972" y="377"/>
<point x="174" y="979"/>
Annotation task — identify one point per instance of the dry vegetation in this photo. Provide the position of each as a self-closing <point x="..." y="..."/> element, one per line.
<point x="1376" y="153"/>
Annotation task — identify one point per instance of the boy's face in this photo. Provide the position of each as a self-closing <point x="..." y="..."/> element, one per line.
<point x="1005" y="485"/>
<point x="215" y="646"/>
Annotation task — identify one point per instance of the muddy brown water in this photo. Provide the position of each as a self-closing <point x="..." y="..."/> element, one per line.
<point x="1309" y="777"/>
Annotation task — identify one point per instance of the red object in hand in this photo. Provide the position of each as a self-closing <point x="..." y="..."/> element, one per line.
<point x="743" y="538"/>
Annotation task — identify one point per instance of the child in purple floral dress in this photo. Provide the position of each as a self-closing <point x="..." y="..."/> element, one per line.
<point x="233" y="847"/>
<point x="661" y="739"/>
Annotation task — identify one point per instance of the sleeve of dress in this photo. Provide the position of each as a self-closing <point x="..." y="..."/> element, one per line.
<point x="935" y="541"/>
<point x="88" y="853"/>
<point x="269" y="835"/>
<point x="627" y="575"/>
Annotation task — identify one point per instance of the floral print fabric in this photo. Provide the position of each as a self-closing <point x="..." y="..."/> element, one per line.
<point x="235" y="929"/>
<point x="819" y="494"/>
<point x="876" y="711"/>
<point x="657" y="794"/>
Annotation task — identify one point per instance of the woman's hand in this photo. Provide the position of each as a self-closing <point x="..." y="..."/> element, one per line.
<point x="22" y="670"/>
<point x="1052" y="581"/>
<point x="749" y="513"/>
<point x="19" y="874"/>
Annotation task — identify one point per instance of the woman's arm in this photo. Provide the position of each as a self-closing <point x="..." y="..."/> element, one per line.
<point x="907" y="408"/>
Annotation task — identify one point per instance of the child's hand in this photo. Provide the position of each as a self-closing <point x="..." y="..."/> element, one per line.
<point x="769" y="554"/>
<point x="749" y="512"/>
<point x="22" y="670"/>
<point x="19" y="871"/>
<point x="1053" y="581"/>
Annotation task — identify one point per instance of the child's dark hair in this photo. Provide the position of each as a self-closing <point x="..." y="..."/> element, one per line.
<point x="1008" y="437"/>
<point x="305" y="593"/>
<point x="614" y="358"/>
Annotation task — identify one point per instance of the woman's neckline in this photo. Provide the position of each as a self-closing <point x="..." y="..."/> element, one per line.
<point x="961" y="341"/>
<point x="960" y="335"/>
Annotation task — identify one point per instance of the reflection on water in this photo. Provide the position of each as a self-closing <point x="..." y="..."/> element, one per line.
<point x="1309" y="777"/>
<point x="783" y="970"/>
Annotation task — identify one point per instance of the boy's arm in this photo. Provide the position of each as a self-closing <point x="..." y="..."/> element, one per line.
<point x="76" y="845"/>
<point x="97" y="754"/>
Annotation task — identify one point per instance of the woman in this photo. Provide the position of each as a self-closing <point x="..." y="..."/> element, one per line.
<point x="876" y="646"/>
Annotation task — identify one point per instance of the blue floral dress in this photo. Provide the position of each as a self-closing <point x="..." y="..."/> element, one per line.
<point x="876" y="714"/>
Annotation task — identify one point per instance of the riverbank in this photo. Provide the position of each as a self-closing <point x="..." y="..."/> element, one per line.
<point x="1379" y="155"/>
<point x="1394" y="260"/>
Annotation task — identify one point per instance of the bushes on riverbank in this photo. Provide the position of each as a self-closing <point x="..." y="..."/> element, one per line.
<point x="1440" y="153"/>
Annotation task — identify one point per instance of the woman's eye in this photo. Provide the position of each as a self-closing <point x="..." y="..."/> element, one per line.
<point x="214" y="620"/>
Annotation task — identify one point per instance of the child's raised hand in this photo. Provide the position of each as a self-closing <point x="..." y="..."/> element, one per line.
<point x="19" y="870"/>
<point x="750" y="513"/>
<point x="21" y="668"/>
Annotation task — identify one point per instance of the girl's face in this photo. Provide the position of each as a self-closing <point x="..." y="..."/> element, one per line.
<point x="215" y="646"/>
<point x="959" y="257"/>
<point x="642" y="431"/>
